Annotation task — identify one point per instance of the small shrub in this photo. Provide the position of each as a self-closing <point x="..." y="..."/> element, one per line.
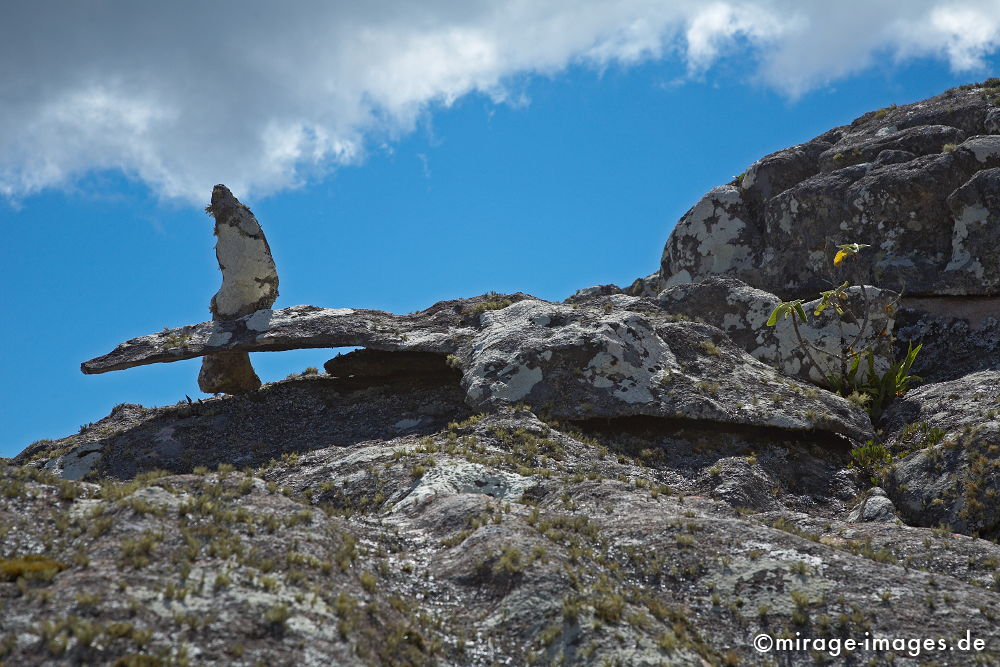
<point x="708" y="387"/>
<point x="494" y="301"/>
<point x="608" y="607"/>
<point x="511" y="562"/>
<point x="869" y="459"/>
<point x="710" y="348"/>
<point x="368" y="581"/>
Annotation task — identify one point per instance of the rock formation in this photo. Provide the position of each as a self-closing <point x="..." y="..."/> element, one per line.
<point x="249" y="283"/>
<point x="637" y="476"/>
<point x="917" y="182"/>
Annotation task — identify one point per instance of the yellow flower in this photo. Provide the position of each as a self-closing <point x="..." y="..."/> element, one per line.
<point x="839" y="257"/>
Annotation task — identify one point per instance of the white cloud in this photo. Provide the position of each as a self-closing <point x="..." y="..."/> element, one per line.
<point x="262" y="95"/>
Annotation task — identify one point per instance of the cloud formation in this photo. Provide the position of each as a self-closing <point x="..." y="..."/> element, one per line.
<point x="262" y="96"/>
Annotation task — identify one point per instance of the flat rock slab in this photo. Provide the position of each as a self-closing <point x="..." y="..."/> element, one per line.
<point x="570" y="361"/>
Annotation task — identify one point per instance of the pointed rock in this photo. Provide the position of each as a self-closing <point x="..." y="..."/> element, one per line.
<point x="249" y="284"/>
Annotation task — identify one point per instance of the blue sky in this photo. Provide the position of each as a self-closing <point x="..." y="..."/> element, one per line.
<point x="553" y="166"/>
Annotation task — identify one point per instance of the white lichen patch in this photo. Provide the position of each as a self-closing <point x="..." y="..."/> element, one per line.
<point x="983" y="147"/>
<point x="630" y="355"/>
<point x="260" y="320"/>
<point x="769" y="580"/>
<point x="83" y="508"/>
<point x="518" y="319"/>
<point x="623" y="301"/>
<point x="961" y="258"/>
<point x="248" y="272"/>
<point x="681" y="277"/>
<point x="218" y="338"/>
<point x="160" y="498"/>
<point x="76" y="463"/>
<point x="454" y="477"/>
<point x="707" y="239"/>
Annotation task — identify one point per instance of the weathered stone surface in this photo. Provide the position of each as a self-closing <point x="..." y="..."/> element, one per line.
<point x="249" y="283"/>
<point x="249" y="278"/>
<point x="742" y="312"/>
<point x="716" y="237"/>
<point x="571" y="361"/>
<point x="913" y="181"/>
<point x="497" y="536"/>
<point x="616" y="479"/>
<point x="950" y="435"/>
<point x="597" y="290"/>
<point x="779" y="171"/>
<point x="960" y="335"/>
<point x="227" y="373"/>
<point x="874" y="506"/>
<point x="286" y="418"/>
<point x="975" y="207"/>
<point x="863" y="147"/>
<point x="580" y="363"/>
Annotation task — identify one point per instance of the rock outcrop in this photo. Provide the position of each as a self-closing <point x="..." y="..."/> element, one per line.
<point x="917" y="182"/>
<point x="249" y="283"/>
<point x="946" y="438"/>
<point x="495" y="538"/>
<point x="638" y="477"/>
<point x="568" y="361"/>
<point x="742" y="312"/>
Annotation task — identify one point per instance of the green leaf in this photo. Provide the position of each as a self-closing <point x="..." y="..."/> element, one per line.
<point x="784" y="309"/>
<point x="778" y="311"/>
<point x="797" y="305"/>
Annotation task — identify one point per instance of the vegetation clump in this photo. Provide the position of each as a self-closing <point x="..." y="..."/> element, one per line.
<point x="31" y="567"/>
<point x="862" y="385"/>
<point x="870" y="460"/>
<point x="493" y="301"/>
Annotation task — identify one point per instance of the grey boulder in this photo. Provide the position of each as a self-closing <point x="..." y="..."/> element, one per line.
<point x="907" y="180"/>
<point x="948" y="437"/>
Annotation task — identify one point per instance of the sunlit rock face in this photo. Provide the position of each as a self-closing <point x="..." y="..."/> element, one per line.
<point x="916" y="182"/>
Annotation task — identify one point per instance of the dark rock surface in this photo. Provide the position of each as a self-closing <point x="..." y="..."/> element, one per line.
<point x="948" y="438"/>
<point x="960" y="335"/>
<point x="916" y="182"/>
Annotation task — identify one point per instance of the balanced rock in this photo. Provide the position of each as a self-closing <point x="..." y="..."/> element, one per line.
<point x="578" y="362"/>
<point x="249" y="283"/>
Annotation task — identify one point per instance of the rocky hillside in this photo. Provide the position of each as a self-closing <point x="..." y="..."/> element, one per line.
<point x="640" y="476"/>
